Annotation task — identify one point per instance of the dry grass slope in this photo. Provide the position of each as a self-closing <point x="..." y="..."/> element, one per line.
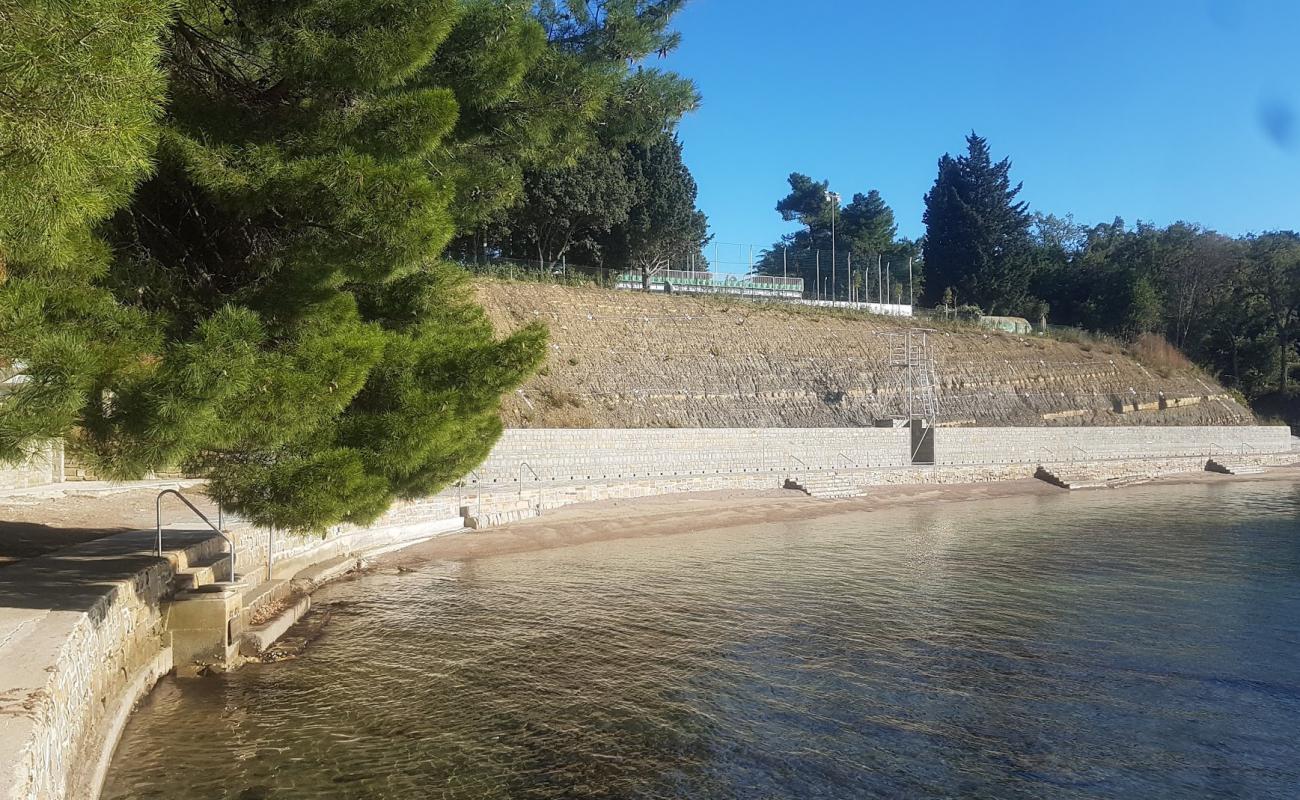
<point x="627" y="359"/>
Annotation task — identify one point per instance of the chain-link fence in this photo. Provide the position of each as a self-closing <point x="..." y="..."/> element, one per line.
<point x="820" y="276"/>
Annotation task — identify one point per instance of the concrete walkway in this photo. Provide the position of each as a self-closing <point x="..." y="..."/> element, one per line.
<point x="77" y="628"/>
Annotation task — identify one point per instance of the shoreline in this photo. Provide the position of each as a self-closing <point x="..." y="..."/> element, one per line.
<point x="699" y="512"/>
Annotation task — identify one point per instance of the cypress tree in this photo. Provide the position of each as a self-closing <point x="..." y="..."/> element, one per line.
<point x="977" y="238"/>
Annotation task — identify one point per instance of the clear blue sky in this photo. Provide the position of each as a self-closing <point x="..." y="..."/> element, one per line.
<point x="1159" y="110"/>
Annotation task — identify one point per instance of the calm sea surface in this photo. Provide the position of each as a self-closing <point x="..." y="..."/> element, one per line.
<point x="1142" y="643"/>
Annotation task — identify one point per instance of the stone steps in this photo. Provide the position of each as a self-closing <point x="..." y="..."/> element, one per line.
<point x="497" y="510"/>
<point x="204" y="572"/>
<point x="1077" y="477"/>
<point x="829" y="486"/>
<point x="1228" y="466"/>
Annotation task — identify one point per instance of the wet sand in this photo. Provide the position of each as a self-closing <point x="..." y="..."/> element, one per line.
<point x="667" y="515"/>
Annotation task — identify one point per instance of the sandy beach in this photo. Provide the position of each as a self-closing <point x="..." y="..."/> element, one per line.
<point x="32" y="526"/>
<point x="668" y="515"/>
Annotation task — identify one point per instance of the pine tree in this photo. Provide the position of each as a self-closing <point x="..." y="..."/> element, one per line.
<point x="307" y="352"/>
<point x="809" y="204"/>
<point x="867" y="224"/>
<point x="78" y="113"/>
<point x="568" y="198"/>
<point x="977" y="234"/>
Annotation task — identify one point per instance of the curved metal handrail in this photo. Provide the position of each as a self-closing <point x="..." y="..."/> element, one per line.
<point x="851" y="461"/>
<point x="202" y="516"/>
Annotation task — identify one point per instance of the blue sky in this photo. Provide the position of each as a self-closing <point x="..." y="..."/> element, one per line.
<point x="1157" y="110"/>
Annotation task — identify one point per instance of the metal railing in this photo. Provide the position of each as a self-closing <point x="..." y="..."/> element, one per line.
<point x="796" y="458"/>
<point x="478" y="493"/>
<point x="706" y="278"/>
<point x="850" y="461"/>
<point x="523" y="465"/>
<point x="158" y="525"/>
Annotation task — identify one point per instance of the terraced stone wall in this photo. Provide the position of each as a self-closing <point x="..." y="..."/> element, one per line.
<point x="622" y="359"/>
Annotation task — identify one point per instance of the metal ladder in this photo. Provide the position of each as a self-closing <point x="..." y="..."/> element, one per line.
<point x="911" y="351"/>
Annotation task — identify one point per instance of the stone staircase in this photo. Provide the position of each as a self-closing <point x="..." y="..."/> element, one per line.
<point x="204" y="617"/>
<point x="1231" y="466"/>
<point x="1091" y="476"/>
<point x="826" y="485"/>
<point x="202" y="572"/>
<point x="498" y="509"/>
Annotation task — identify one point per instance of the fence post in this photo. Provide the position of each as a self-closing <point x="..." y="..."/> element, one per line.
<point x="880" y="285"/>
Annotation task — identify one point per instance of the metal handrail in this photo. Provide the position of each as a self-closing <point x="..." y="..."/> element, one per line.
<point x="523" y="465"/>
<point x="846" y="458"/>
<point x="478" y="493"/>
<point x="202" y="516"/>
<point x="1076" y="448"/>
<point x="1248" y="446"/>
<point x="797" y="458"/>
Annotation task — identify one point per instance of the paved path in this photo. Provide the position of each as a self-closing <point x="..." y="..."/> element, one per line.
<point x="52" y="608"/>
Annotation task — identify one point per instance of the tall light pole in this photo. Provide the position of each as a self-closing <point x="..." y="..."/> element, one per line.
<point x="835" y="207"/>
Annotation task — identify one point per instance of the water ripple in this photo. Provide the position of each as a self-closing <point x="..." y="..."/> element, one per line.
<point x="1126" y="644"/>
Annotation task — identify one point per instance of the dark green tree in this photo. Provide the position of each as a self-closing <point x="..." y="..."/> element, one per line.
<point x="867" y="224"/>
<point x="311" y="356"/>
<point x="571" y="201"/>
<point x="1275" y="266"/>
<point x="663" y="226"/>
<point x="977" y="237"/>
<point x="571" y="208"/>
<point x="809" y="203"/>
<point x="78" y="108"/>
<point x="864" y="237"/>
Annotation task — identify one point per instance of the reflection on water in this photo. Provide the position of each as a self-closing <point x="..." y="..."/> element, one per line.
<point x="1132" y="644"/>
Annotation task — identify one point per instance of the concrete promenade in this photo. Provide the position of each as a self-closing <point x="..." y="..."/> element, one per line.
<point x="80" y="641"/>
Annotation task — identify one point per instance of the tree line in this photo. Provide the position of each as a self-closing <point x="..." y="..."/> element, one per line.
<point x="1232" y="304"/>
<point x="843" y="250"/>
<point x="221" y="226"/>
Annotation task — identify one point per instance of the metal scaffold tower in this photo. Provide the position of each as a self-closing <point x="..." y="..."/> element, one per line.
<point x="909" y="352"/>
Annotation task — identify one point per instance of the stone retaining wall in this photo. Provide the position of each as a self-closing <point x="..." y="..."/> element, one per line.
<point x="558" y="454"/>
<point x="1038" y="445"/>
<point x="535" y="457"/>
<point x="405" y="522"/>
<point x="43" y="467"/>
